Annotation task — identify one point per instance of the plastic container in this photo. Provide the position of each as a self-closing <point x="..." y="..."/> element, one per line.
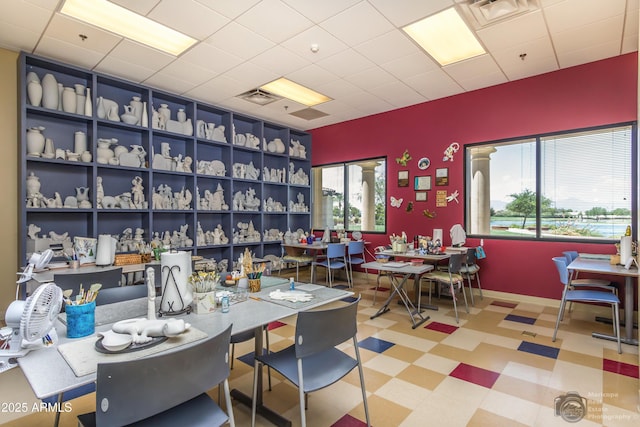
<point x="81" y="320"/>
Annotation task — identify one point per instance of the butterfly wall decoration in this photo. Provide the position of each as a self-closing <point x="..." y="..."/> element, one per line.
<point x="396" y="203"/>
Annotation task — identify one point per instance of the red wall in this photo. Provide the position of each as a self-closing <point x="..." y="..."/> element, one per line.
<point x="598" y="93"/>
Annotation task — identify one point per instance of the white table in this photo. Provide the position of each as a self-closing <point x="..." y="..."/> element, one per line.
<point x="49" y="374"/>
<point x="603" y="266"/>
<point x="406" y="270"/>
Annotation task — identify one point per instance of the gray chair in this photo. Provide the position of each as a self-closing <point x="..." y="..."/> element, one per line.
<point x="168" y="389"/>
<point x="314" y="362"/>
<point x="586" y="296"/>
<point x="586" y="283"/>
<point x="355" y="256"/>
<point x="336" y="259"/>
<point x="471" y="270"/>
<point x="295" y="256"/>
<point x="450" y="279"/>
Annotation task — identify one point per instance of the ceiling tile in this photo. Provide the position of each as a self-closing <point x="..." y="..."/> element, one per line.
<point x="68" y="52"/>
<point x="386" y="47"/>
<point x="409" y="65"/>
<point x="357" y="24"/>
<point x="337" y="88"/>
<point x="32" y="17"/>
<point x="318" y="11"/>
<point x="17" y="37"/>
<point x="540" y="58"/>
<point x="141" y="7"/>
<point x="327" y="44"/>
<point x="521" y="29"/>
<point x="373" y="76"/>
<point x="604" y="31"/>
<point x="188" y="17"/>
<point x="570" y="14"/>
<point x="283" y="23"/>
<point x="243" y="42"/>
<point x="212" y="58"/>
<point x="367" y="102"/>
<point x="229" y="8"/>
<point x="397" y="94"/>
<point x="280" y="61"/>
<point x="345" y="63"/>
<point x="135" y="53"/>
<point x="218" y="89"/>
<point x="188" y="71"/>
<point x="401" y="13"/>
<point x="124" y="69"/>
<point x="312" y="76"/>
<point x="588" y="54"/>
<point x="251" y="75"/>
<point x="474" y="73"/>
<point x="168" y="83"/>
<point x="69" y="30"/>
<point x="434" y="84"/>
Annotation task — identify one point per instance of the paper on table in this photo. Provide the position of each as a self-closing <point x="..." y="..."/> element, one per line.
<point x="292" y="296"/>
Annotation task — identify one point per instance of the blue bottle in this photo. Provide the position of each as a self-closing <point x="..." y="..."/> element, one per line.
<point x="292" y="284"/>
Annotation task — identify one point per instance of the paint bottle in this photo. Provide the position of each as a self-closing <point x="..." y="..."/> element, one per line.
<point x="292" y="284"/>
<point x="225" y="304"/>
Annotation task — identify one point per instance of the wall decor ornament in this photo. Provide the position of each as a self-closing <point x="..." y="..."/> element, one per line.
<point x="403" y="178"/>
<point x="396" y="203"/>
<point x="422" y="183"/>
<point x="404" y="159"/>
<point x="450" y="151"/>
<point x="442" y="176"/>
<point x="409" y="207"/>
<point x="424" y="163"/>
<point x="429" y="214"/>
<point x="453" y="196"/>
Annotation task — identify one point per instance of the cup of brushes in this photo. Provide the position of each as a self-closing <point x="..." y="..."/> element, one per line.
<point x="81" y="311"/>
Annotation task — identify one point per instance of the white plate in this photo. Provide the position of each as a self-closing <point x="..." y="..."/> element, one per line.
<point x="424" y="163"/>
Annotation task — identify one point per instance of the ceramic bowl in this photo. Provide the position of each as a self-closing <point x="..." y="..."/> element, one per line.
<point x="115" y="342"/>
<point x="382" y="258"/>
<point x="129" y="119"/>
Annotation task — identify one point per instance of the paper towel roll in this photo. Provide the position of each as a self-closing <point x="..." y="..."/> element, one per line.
<point x="176" y="269"/>
<point x="625" y="249"/>
<point x="106" y="250"/>
<point x="437" y="234"/>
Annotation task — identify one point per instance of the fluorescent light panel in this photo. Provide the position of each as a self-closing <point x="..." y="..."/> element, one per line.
<point x="122" y="21"/>
<point x="445" y="37"/>
<point x="295" y="92"/>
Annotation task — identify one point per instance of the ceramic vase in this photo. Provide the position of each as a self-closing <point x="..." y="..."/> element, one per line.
<point x="60" y="91"/>
<point x="69" y="100"/>
<point x="187" y="127"/>
<point x="49" y="149"/>
<point x="136" y="106"/>
<point x="86" y="156"/>
<point x="80" y="98"/>
<point x="101" y="112"/>
<point x="34" y="92"/>
<point x="165" y="112"/>
<point x="79" y="142"/>
<point x="182" y="116"/>
<point x="35" y="141"/>
<point x="49" y="91"/>
<point x="144" y="120"/>
<point x="88" y="105"/>
<point x="33" y="185"/>
<point x="32" y="77"/>
<point x="104" y="152"/>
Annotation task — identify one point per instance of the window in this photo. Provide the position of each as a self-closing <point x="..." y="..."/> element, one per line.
<point x="350" y="196"/>
<point x="574" y="185"/>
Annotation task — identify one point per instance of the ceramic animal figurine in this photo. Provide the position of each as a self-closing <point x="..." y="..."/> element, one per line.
<point x="404" y="159"/>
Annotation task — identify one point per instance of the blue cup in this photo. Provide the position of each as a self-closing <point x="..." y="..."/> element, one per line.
<point x="81" y="320"/>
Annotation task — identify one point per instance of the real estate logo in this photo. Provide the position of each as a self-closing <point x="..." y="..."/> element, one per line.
<point x="570" y="406"/>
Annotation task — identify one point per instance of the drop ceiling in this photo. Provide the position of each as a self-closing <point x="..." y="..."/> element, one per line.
<point x="364" y="61"/>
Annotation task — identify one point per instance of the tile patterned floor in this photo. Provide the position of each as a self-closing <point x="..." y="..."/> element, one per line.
<point x="497" y="367"/>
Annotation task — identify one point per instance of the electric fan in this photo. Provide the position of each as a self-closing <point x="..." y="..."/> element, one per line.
<point x="36" y="261"/>
<point x="29" y="324"/>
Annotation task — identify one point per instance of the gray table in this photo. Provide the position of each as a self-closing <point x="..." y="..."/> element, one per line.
<point x="406" y="270"/>
<point x="49" y="374"/>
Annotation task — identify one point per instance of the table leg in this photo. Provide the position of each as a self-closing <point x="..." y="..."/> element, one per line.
<point x="398" y="289"/>
<point x="628" y="316"/>
<point x="241" y="397"/>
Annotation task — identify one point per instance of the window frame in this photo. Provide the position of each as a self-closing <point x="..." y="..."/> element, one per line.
<point x="635" y="198"/>
<point x="345" y="165"/>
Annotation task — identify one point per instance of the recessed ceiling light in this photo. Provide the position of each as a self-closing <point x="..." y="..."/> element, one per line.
<point x="295" y="92"/>
<point x="122" y="21"/>
<point x="445" y="37"/>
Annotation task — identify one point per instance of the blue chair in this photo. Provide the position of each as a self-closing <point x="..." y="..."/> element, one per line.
<point x="587" y="283"/>
<point x="335" y="260"/>
<point x="355" y="256"/>
<point x="314" y="362"/>
<point x="586" y="296"/>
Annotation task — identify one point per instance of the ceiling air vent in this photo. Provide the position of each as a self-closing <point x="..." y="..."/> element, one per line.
<point x="308" y="114"/>
<point x="259" y="97"/>
<point x="481" y="13"/>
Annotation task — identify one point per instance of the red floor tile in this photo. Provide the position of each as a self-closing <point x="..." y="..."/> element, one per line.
<point x="620" y="368"/>
<point x="472" y="374"/>
<point x="441" y="327"/>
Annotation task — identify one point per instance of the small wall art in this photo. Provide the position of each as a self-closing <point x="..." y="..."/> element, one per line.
<point x="404" y="159"/>
<point x="441" y="198"/>
<point x="422" y="183"/>
<point x="421" y="196"/>
<point x="442" y="176"/>
<point x="450" y="151"/>
<point x="424" y="163"/>
<point x="453" y="197"/>
<point x="395" y="203"/>
<point x="403" y="178"/>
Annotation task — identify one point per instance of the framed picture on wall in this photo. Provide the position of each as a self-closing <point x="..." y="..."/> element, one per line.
<point x="421" y="196"/>
<point x="403" y="178"/>
<point x="442" y="176"/>
<point x="422" y="183"/>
